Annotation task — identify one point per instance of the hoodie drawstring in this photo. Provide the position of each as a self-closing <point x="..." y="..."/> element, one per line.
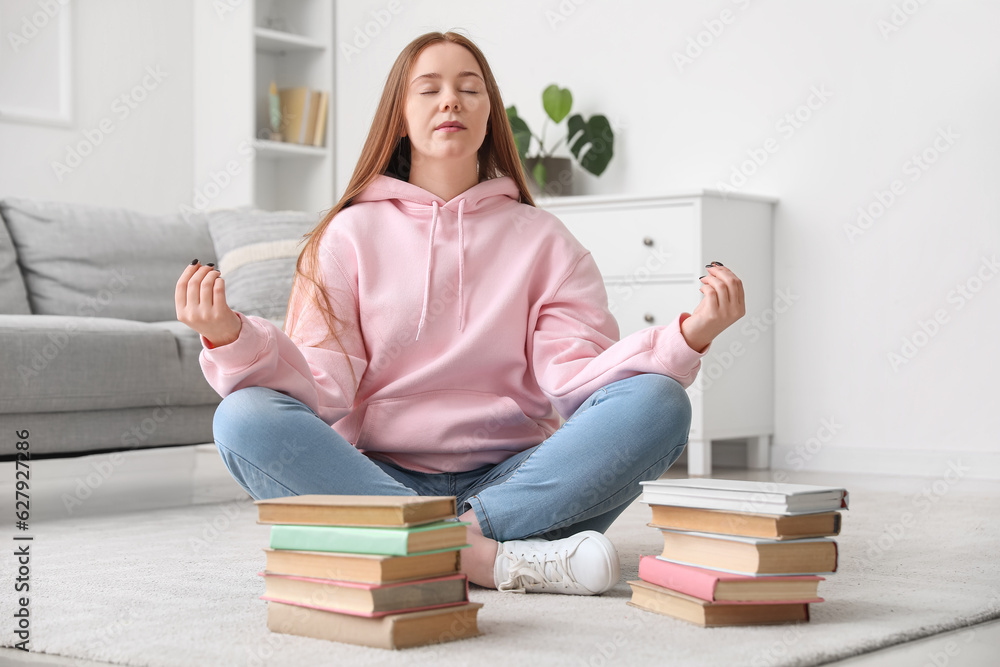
<point x="461" y="264"/>
<point x="461" y="267"/>
<point x="427" y="275"/>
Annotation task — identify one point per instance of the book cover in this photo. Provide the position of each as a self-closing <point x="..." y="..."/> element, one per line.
<point x="365" y="540"/>
<point x="338" y="510"/>
<point x="367" y="568"/>
<point x="365" y="599"/>
<point x="294" y="112"/>
<point x="712" y="614"/>
<point x="715" y="586"/>
<point x="393" y="631"/>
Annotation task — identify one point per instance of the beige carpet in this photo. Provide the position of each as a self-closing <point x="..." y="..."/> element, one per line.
<point x="179" y="587"/>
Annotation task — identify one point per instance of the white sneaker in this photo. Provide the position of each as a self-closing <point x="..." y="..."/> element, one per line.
<point x="583" y="564"/>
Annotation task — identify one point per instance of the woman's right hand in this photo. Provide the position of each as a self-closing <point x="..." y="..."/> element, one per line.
<point x="200" y="298"/>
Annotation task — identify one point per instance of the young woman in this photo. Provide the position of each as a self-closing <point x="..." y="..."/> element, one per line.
<point x="438" y="327"/>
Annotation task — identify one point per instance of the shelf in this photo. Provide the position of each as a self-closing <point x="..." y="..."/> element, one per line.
<point x="268" y="148"/>
<point x="276" y="41"/>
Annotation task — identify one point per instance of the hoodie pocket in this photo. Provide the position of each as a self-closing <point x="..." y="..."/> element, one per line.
<point x="447" y="421"/>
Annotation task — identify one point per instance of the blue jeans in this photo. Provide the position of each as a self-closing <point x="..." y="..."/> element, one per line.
<point x="581" y="478"/>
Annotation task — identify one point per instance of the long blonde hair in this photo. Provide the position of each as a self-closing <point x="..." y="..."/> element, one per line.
<point x="385" y="152"/>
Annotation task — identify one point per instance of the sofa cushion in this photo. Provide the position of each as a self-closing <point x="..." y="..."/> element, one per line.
<point x="257" y="253"/>
<point x="13" y="295"/>
<point x="89" y="260"/>
<point x="54" y="363"/>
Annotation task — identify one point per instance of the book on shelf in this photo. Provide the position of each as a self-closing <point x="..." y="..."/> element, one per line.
<point x="295" y="103"/>
<point x="715" y="586"/>
<point x="319" y="133"/>
<point x="744" y="496"/>
<point x="363" y="568"/>
<point x="401" y="541"/>
<point x="771" y="526"/>
<point x="327" y="510"/>
<point x="750" y="555"/>
<point x="712" y="614"/>
<point x="303" y="115"/>
<point x="360" y="599"/>
<point x="393" y="631"/>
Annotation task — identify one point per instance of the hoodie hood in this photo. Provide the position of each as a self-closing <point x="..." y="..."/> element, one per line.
<point x="482" y="196"/>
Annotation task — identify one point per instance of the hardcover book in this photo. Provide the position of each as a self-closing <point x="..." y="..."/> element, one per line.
<point x="334" y="510"/>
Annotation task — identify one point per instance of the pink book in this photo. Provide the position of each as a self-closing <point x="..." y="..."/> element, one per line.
<point x="704" y="584"/>
<point x="369" y="587"/>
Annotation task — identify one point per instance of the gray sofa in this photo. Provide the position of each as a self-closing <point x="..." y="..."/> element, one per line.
<point x="92" y="356"/>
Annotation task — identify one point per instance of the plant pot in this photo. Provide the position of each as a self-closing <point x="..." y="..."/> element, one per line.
<point x="558" y="177"/>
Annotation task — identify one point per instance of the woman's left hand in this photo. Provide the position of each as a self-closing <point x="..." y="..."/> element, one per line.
<point x="721" y="305"/>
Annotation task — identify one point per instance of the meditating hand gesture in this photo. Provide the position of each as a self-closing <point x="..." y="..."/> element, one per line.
<point x="721" y="305"/>
<point x="200" y="299"/>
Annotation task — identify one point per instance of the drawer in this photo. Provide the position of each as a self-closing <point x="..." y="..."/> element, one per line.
<point x="636" y="241"/>
<point x="638" y="304"/>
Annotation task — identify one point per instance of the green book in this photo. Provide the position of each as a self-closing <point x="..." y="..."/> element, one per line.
<point x="403" y="541"/>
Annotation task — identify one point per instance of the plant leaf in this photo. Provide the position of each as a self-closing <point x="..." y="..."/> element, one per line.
<point x="540" y="173"/>
<point x="522" y="135"/>
<point x="557" y="102"/>
<point x="597" y="137"/>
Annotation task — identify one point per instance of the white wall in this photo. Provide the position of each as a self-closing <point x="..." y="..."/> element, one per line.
<point x="146" y="161"/>
<point x="678" y="128"/>
<point x="887" y="98"/>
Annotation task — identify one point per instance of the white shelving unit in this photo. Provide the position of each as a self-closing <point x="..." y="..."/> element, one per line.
<point x="238" y="51"/>
<point x="651" y="251"/>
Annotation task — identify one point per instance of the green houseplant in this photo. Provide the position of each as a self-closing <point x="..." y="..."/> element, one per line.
<point x="590" y="141"/>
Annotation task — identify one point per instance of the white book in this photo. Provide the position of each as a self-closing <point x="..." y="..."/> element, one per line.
<point x="745" y="496"/>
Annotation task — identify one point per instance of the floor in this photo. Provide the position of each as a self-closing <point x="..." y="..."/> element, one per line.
<point x="190" y="475"/>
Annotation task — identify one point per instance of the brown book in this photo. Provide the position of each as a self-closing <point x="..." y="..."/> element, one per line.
<point x="350" y="597"/>
<point x="332" y="510"/>
<point x="294" y="104"/>
<point x="750" y="555"/>
<point x="712" y="614"/>
<point x="394" y="631"/>
<point x="362" y="568"/>
<point x="771" y="526"/>
<point x="319" y="133"/>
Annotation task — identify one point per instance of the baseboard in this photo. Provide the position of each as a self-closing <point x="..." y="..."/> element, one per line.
<point x="130" y="480"/>
<point x="909" y="462"/>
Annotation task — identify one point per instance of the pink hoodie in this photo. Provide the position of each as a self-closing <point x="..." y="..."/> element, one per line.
<point x="469" y="323"/>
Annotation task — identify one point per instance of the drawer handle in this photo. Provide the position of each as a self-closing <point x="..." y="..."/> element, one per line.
<point x="647" y="241"/>
<point x="649" y="318"/>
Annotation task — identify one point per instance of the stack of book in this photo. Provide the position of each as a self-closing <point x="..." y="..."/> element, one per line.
<point x="379" y="571"/>
<point x="738" y="552"/>
<point x="303" y="115"/>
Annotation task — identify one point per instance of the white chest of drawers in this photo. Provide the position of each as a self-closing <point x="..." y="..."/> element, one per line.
<point x="651" y="251"/>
